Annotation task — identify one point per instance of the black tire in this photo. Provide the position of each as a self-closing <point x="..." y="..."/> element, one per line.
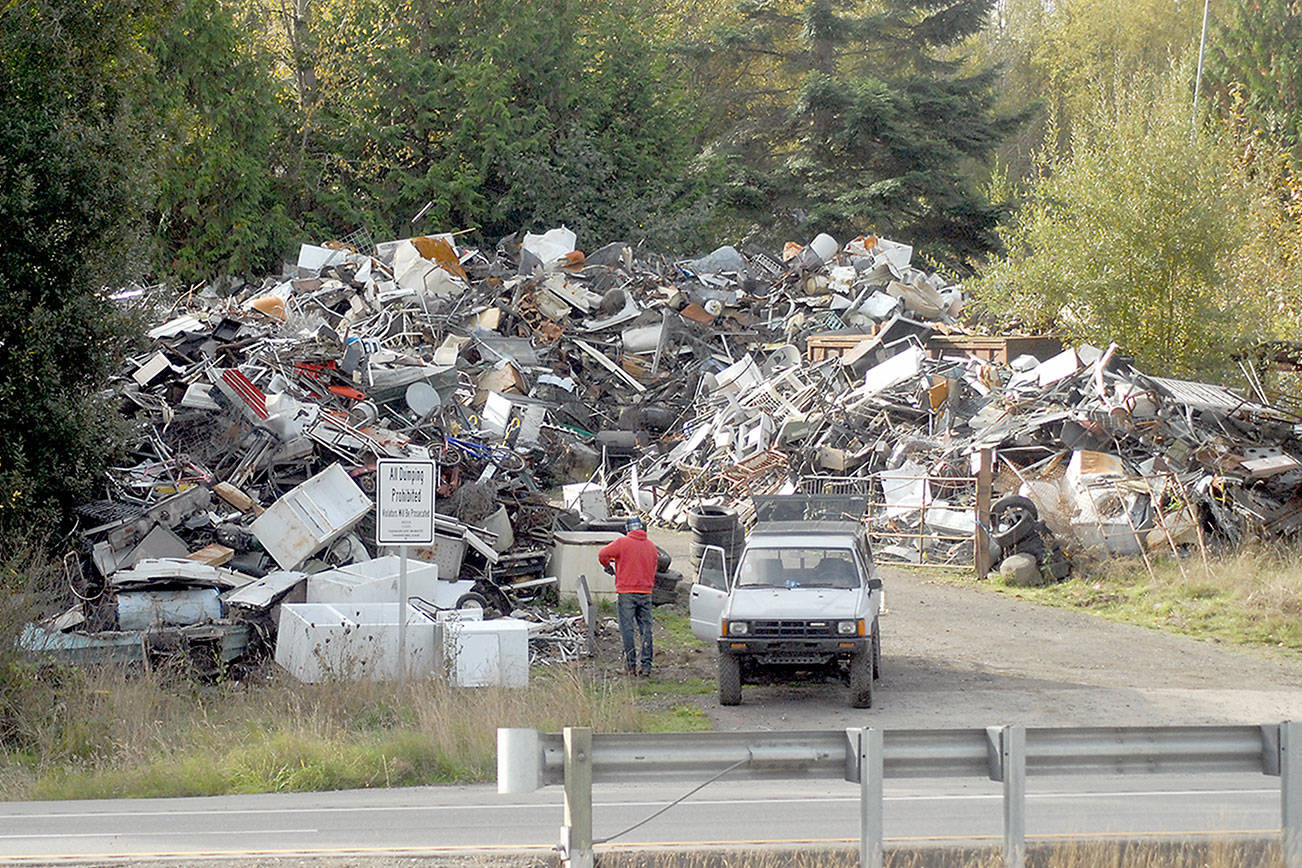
<point x="861" y="680"/>
<point x="722" y="538"/>
<point x="729" y="549"/>
<point x="1017" y="516"/>
<point x="877" y="652"/>
<point x="712" y="518"/>
<point x="663" y="596"/>
<point x="729" y="679"/>
<point x="663" y="560"/>
<point x="668" y="579"/>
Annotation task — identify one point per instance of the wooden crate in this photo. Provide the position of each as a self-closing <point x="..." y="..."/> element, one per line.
<point x="828" y="346"/>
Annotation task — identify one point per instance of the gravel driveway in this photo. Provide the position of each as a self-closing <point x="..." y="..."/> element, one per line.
<point x="955" y="656"/>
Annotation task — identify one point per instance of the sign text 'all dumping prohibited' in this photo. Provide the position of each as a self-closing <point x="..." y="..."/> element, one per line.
<point x="404" y="502"/>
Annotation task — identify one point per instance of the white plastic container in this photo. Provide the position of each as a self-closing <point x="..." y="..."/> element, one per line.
<point x="376" y="581"/>
<point x="487" y="653"/>
<point x="824" y="245"/>
<point x="359" y="642"/>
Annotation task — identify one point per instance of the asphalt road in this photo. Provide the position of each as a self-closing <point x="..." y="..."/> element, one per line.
<point x="475" y="819"/>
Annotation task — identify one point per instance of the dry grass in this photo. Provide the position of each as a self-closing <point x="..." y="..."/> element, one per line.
<point x="95" y="733"/>
<point x="1122" y="854"/>
<point x="1252" y="596"/>
<point x="91" y="732"/>
<point x="1218" y="854"/>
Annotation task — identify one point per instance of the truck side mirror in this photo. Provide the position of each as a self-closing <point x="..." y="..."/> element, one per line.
<point x="874" y="584"/>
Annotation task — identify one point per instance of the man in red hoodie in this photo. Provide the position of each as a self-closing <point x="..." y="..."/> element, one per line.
<point x="633" y="557"/>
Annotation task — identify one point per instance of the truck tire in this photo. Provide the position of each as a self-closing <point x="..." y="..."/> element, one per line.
<point x="861" y="680"/>
<point x="877" y="652"/>
<point x="729" y="679"/>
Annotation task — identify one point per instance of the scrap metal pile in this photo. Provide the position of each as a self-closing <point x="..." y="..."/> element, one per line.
<point x="1090" y="454"/>
<point x="263" y="408"/>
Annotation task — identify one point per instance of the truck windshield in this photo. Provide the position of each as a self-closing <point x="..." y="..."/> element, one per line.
<point x="798" y="568"/>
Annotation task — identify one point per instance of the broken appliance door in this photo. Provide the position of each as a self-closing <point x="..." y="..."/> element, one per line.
<point x="709" y="593"/>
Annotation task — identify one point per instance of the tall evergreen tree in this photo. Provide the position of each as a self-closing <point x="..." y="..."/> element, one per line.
<point x="223" y="129"/>
<point x="1253" y="67"/>
<point x="503" y="114"/>
<point x="862" y="117"/>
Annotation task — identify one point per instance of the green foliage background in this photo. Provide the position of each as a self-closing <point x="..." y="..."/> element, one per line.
<point x="71" y="199"/>
<point x="187" y="140"/>
<point x="1120" y="238"/>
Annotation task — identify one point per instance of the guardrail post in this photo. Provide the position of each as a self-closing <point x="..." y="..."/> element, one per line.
<point x="871" y="820"/>
<point x="519" y="761"/>
<point x="1290" y="791"/>
<point x="1012" y="755"/>
<point x="576" y="834"/>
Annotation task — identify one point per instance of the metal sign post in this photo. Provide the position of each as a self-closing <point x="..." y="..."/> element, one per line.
<point x="404" y="515"/>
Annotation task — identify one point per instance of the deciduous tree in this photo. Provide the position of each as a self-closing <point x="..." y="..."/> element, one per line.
<point x="1126" y="236"/>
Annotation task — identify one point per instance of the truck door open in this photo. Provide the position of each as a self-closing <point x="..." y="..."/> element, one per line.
<point x="709" y="593"/>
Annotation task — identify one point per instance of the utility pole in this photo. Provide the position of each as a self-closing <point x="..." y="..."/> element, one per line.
<point x="1198" y="78"/>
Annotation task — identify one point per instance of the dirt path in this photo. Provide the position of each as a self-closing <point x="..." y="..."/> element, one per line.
<point x="957" y="656"/>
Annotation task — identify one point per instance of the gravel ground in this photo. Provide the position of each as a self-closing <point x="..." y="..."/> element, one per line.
<point x="955" y="656"/>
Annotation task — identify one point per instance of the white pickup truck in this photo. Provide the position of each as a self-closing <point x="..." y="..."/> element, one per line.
<point x="803" y="598"/>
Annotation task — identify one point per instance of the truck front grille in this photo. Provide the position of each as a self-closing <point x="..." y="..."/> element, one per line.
<point x="792" y="629"/>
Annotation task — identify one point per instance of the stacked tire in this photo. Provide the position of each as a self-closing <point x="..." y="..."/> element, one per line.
<point x="666" y="586"/>
<point x="716" y="526"/>
<point x="1019" y="530"/>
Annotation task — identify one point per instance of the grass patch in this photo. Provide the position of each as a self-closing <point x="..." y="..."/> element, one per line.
<point x="151" y="734"/>
<point x="678" y="629"/>
<point x="97" y="732"/>
<point x="1250" y="597"/>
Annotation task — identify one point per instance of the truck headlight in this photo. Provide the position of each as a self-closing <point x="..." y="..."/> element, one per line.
<point x="738" y="628"/>
<point x="849" y="628"/>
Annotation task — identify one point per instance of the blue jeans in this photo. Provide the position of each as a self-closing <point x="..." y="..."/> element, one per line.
<point x="635" y="609"/>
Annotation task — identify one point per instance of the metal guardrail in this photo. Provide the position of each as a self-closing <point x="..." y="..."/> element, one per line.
<point x="528" y="759"/>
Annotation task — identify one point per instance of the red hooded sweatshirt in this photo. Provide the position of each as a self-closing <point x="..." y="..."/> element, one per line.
<point x="635" y="559"/>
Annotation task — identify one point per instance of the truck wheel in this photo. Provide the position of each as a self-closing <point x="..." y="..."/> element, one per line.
<point x="861" y="680"/>
<point x="877" y="652"/>
<point x="729" y="679"/>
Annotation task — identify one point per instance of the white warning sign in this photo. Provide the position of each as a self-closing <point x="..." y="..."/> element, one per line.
<point x="404" y="502"/>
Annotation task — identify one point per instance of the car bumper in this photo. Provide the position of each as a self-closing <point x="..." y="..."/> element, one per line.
<point x="836" y="646"/>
